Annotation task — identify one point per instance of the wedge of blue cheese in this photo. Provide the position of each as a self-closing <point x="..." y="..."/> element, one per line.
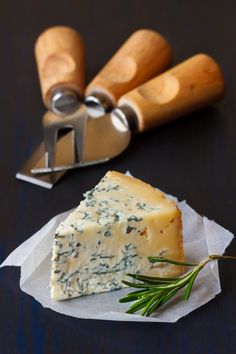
<point x="115" y="228"/>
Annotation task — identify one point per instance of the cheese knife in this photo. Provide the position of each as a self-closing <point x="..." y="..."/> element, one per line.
<point x="60" y="61"/>
<point x="191" y="85"/>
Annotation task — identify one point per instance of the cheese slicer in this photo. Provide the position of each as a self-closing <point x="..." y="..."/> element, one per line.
<point x="191" y="85"/>
<point x="59" y="56"/>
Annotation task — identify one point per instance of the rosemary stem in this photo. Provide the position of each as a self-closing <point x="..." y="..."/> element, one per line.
<point x="156" y="291"/>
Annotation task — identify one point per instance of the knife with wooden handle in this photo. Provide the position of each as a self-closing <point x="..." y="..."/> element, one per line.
<point x="59" y="55"/>
<point x="193" y="84"/>
<point x="60" y="61"/>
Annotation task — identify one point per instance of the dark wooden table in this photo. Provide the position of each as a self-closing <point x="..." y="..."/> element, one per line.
<point x="193" y="158"/>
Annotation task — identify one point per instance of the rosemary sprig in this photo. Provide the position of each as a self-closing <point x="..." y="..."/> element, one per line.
<point x="154" y="292"/>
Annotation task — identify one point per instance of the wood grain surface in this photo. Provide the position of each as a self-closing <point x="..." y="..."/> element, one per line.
<point x="193" y="158"/>
<point x="193" y="84"/>
<point x="144" y="55"/>
<point x="59" y="54"/>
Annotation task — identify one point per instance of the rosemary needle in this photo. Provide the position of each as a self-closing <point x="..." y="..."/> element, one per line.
<point x="156" y="291"/>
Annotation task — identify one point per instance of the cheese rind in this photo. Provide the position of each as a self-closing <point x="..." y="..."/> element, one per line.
<point x="115" y="228"/>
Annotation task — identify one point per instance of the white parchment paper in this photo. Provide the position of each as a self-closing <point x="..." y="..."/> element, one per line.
<point x="201" y="237"/>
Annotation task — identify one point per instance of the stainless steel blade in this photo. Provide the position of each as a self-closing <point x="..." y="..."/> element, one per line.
<point x="106" y="137"/>
<point x="46" y="180"/>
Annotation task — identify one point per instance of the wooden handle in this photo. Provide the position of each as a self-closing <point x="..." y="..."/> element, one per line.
<point x="59" y="55"/>
<point x="193" y="84"/>
<point x="144" y="55"/>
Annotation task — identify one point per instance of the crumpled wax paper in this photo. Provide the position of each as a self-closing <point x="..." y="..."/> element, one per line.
<point x="201" y="237"/>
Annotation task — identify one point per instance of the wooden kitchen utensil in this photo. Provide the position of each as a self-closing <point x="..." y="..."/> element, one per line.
<point x="193" y="84"/>
<point x="59" y="55"/>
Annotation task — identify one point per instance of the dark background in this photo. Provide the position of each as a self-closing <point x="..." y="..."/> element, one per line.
<point x="193" y="158"/>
